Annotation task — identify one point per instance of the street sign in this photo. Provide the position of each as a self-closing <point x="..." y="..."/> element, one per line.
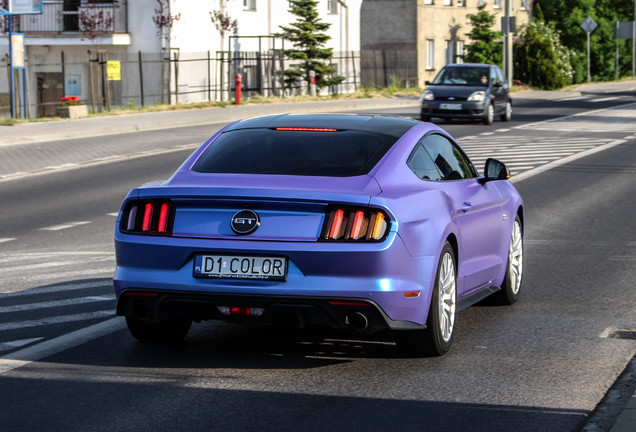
<point x="25" y="7"/>
<point x="113" y="70"/>
<point x="624" y="30"/>
<point x="589" y="25"/>
<point x="17" y="50"/>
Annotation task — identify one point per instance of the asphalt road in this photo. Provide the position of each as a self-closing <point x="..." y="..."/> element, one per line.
<point x="540" y="365"/>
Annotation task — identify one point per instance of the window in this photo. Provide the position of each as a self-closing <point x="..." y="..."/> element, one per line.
<point x="448" y="3"/>
<point x="460" y="52"/>
<point x="249" y="5"/>
<point x="305" y="153"/>
<point x="524" y="4"/>
<point x="430" y="54"/>
<point x="332" y="7"/>
<point x="422" y="165"/>
<point x="448" y="51"/>
<point x="497" y="4"/>
<point x="429" y="2"/>
<point x="449" y="159"/>
<point x="461" y="3"/>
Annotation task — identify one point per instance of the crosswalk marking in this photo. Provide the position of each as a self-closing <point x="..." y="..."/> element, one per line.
<point x="521" y="153"/>
<point x="56" y="303"/>
<point x="64" y="226"/>
<point x="8" y="346"/>
<point x="57" y="320"/>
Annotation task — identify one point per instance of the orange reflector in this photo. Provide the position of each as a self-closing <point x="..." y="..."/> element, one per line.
<point x="412" y="294"/>
<point x="378" y="227"/>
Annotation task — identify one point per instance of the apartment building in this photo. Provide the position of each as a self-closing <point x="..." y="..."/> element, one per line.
<point x="168" y="50"/>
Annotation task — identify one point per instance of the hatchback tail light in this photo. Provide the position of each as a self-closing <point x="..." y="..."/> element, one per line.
<point x="354" y="224"/>
<point x="148" y="217"/>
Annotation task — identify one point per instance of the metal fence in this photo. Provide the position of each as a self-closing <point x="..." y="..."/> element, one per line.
<point x="177" y="77"/>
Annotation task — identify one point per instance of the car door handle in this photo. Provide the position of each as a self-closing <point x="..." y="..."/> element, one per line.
<point x="466" y="206"/>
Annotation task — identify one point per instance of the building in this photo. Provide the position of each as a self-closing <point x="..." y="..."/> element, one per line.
<point x="167" y="50"/>
<point x="413" y="39"/>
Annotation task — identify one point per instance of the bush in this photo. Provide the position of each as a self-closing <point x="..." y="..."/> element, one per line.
<point x="541" y="60"/>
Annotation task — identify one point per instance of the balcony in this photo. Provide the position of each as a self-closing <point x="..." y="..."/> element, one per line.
<point x="78" y="18"/>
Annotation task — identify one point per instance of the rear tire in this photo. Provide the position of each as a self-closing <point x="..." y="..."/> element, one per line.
<point x="172" y="330"/>
<point x="507" y="115"/>
<point x="437" y="338"/>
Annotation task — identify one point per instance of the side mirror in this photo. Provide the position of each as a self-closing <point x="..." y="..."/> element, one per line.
<point x="498" y="84"/>
<point x="427" y="82"/>
<point x="495" y="170"/>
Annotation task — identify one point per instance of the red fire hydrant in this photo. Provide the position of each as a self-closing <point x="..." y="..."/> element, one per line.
<point x="239" y="88"/>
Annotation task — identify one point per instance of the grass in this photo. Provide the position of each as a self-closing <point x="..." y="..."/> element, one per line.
<point x="394" y="90"/>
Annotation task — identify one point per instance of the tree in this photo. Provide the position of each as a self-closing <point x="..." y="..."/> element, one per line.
<point x="308" y="36"/>
<point x="485" y="46"/>
<point x="540" y="59"/>
<point x="602" y="42"/>
<point x="223" y="21"/>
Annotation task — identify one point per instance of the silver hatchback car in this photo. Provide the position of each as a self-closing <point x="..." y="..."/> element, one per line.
<point x="467" y="91"/>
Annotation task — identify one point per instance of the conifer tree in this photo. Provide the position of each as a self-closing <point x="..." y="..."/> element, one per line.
<point x="308" y="36"/>
<point x="485" y="46"/>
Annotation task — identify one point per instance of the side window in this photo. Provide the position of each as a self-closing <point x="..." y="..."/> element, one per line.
<point x="449" y="159"/>
<point x="422" y="165"/>
<point x="500" y="75"/>
<point x="494" y="77"/>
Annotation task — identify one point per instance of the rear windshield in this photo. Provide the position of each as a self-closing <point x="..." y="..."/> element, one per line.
<point x="305" y="153"/>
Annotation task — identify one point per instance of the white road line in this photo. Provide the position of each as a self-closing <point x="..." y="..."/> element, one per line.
<point x="53" y="346"/>
<point x="22" y="257"/>
<point x="104" y="271"/>
<point x="569" y="99"/>
<point x="604" y="99"/>
<point x="54" y="264"/>
<point x="11" y="345"/>
<point x="56" y="320"/>
<point x="113" y="214"/>
<point x="56" y="303"/>
<point x="4" y="240"/>
<point x="57" y="288"/>
<point x="64" y="226"/>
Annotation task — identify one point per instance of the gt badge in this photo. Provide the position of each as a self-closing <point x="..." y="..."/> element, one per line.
<point x="245" y="222"/>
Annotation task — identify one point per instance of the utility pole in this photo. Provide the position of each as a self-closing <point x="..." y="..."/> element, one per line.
<point x="507" y="31"/>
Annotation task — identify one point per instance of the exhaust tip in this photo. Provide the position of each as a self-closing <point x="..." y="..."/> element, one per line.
<point x="357" y="321"/>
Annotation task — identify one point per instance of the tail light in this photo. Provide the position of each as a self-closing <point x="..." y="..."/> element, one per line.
<point x="148" y="217"/>
<point x="355" y="224"/>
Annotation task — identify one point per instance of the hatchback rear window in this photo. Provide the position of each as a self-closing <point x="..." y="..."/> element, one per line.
<point x="340" y="153"/>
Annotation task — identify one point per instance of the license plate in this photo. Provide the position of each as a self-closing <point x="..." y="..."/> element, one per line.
<point x="450" y="106"/>
<point x="240" y="267"/>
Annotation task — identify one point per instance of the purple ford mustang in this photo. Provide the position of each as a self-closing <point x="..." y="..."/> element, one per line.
<point x="360" y="222"/>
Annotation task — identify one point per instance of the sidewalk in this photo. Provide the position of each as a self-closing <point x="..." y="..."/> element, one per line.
<point x="23" y="133"/>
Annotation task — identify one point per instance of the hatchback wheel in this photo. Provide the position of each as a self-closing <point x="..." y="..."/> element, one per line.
<point x="507" y="115"/>
<point x="162" y="331"/>
<point x="490" y="114"/>
<point x="437" y="339"/>
<point x="509" y="292"/>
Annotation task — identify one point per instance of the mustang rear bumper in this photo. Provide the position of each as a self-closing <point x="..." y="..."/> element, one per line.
<point x="358" y="314"/>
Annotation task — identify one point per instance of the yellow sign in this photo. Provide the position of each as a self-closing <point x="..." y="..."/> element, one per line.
<point x="17" y="50"/>
<point x="113" y="70"/>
